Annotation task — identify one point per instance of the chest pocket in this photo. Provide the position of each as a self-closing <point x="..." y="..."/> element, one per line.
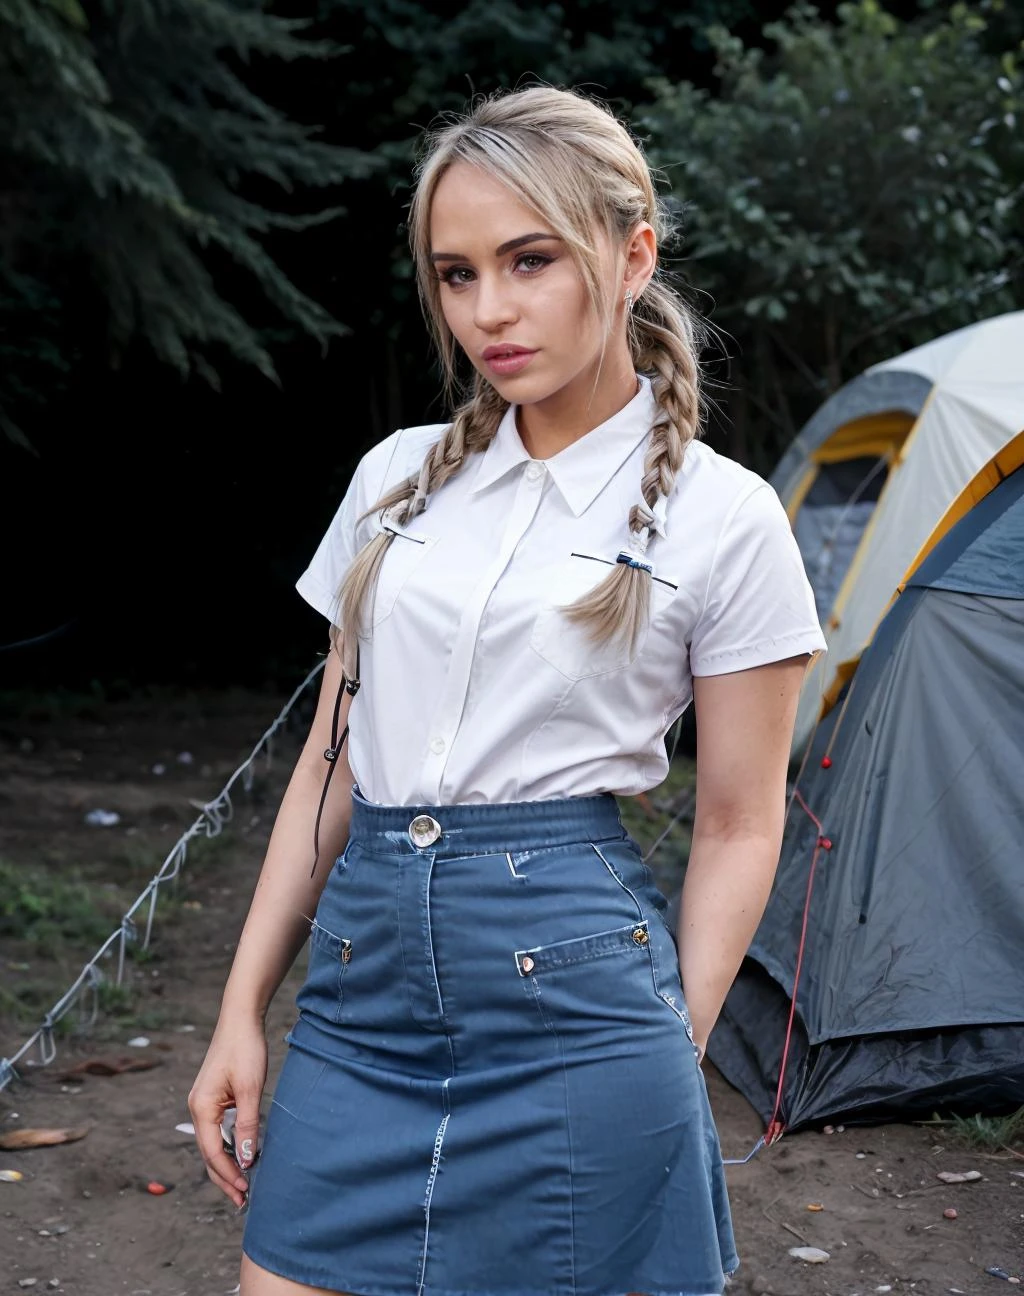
<point x="403" y="558"/>
<point x="566" y="645"/>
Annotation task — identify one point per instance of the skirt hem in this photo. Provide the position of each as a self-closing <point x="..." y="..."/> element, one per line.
<point x="283" y="1269"/>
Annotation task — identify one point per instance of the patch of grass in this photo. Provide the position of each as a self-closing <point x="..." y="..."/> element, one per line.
<point x="979" y="1131"/>
<point x="43" y="908"/>
<point x="990" y="1131"/>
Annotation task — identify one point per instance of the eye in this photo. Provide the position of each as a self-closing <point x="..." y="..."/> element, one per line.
<point x="531" y="262"/>
<point x="456" y="276"/>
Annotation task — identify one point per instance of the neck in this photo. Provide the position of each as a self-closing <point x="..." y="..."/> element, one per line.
<point x="588" y="400"/>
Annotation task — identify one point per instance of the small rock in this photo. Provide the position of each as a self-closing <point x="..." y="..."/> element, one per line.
<point x="139" y="1041"/>
<point x="27" y="1282"/>
<point x="809" y="1255"/>
<point x="159" y="769"/>
<point x="861" y="1156"/>
<point x="883" y="1289"/>
<point x="840" y="1129"/>
<point x="949" y="1212"/>
<point x="102" y="818"/>
<point x="815" y="1206"/>
<point x="953" y="1176"/>
<point x="829" y="1129"/>
<point x="185" y="758"/>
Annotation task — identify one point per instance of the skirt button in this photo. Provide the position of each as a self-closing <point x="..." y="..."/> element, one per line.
<point x="424" y="831"/>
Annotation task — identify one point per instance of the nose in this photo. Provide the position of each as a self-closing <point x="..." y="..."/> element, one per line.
<point x="494" y="304"/>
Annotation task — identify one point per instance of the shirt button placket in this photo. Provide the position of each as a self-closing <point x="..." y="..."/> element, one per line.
<point x="452" y="701"/>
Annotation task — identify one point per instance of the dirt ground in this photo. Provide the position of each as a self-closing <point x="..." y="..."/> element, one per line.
<point x="81" y="1220"/>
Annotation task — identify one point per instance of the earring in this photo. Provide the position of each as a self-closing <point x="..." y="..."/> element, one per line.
<point x="628" y="299"/>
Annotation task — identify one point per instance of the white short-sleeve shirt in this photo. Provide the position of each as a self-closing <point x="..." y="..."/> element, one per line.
<point x="476" y="688"/>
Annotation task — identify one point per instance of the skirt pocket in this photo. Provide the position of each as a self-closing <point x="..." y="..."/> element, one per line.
<point x="322" y="992"/>
<point x="592" y="985"/>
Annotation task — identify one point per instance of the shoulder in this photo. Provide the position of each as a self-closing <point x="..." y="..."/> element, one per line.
<point x="713" y="489"/>
<point x="395" y="458"/>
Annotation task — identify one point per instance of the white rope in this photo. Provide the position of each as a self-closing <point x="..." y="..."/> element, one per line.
<point x="213" y="817"/>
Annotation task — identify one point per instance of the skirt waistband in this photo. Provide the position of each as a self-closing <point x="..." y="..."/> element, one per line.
<point x="486" y="829"/>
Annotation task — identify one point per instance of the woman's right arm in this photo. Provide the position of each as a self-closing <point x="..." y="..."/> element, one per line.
<point x="235" y="1068"/>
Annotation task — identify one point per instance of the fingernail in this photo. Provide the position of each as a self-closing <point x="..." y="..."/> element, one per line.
<point x="245" y="1152"/>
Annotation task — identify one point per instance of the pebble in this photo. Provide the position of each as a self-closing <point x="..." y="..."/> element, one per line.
<point x="810" y="1255"/>
<point x="102" y="818"/>
<point x="27" y="1282"/>
<point x="861" y="1156"/>
<point x="952" y="1176"/>
<point x="140" y="1041"/>
<point x="949" y="1212"/>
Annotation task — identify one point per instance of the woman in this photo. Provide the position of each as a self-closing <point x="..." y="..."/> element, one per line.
<point x="493" y="1085"/>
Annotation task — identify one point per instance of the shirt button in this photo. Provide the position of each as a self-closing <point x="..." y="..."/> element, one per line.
<point x="534" y="471"/>
<point x="437" y="746"/>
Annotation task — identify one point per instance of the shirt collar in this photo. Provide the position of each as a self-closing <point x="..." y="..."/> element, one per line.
<point x="582" y="470"/>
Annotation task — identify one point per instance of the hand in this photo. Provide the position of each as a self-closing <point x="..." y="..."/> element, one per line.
<point x="233" y="1074"/>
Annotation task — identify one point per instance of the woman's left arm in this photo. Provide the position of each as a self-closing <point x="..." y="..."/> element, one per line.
<point x="745" y="726"/>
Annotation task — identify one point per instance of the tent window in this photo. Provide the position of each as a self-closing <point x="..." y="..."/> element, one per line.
<point x="832" y="521"/>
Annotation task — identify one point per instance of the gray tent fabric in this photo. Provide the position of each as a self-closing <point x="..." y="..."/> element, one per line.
<point x="868" y="393"/>
<point x="911" y="993"/>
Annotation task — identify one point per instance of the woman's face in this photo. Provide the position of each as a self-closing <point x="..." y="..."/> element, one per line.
<point x="510" y="291"/>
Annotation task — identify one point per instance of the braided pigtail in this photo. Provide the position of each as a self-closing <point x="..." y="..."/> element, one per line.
<point x="663" y="340"/>
<point x="472" y="428"/>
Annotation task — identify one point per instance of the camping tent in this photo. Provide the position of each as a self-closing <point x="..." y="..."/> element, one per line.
<point x="876" y="467"/>
<point x="902" y="867"/>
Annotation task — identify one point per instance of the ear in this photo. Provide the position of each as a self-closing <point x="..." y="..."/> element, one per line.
<point x="641" y="259"/>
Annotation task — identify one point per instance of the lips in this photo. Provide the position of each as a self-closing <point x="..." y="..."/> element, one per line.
<point x="506" y="358"/>
<point x="505" y="351"/>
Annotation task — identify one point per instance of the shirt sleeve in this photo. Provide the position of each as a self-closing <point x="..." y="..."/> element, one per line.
<point x="350" y="530"/>
<point x="759" y="606"/>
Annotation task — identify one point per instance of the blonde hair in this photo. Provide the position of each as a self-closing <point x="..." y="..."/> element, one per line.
<point x="569" y="159"/>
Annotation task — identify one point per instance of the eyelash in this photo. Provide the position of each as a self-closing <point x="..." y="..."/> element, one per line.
<point x="448" y="276"/>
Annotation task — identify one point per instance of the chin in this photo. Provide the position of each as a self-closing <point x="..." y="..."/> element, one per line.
<point x="524" y="389"/>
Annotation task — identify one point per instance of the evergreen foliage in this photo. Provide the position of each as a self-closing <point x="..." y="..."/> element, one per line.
<point x="133" y="150"/>
<point x="852" y="192"/>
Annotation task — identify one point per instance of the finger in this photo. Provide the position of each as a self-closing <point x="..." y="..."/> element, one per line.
<point x="247" y="1128"/>
<point x="211" y="1149"/>
<point x="227" y="1187"/>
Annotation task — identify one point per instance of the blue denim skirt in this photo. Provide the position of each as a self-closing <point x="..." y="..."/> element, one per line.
<point x="492" y="1088"/>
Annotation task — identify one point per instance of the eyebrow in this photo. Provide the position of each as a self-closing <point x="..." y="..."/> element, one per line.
<point x="510" y="246"/>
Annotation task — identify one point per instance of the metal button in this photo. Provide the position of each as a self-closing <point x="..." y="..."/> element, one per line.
<point x="526" y="963"/>
<point x="640" y="936"/>
<point x="424" y="831"/>
<point x="534" y="470"/>
<point x="437" y="745"/>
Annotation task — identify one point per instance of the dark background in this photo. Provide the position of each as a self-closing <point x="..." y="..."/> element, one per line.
<point x="152" y="527"/>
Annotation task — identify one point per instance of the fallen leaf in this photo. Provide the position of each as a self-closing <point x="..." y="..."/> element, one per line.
<point x="108" y="1066"/>
<point x="29" y="1138"/>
